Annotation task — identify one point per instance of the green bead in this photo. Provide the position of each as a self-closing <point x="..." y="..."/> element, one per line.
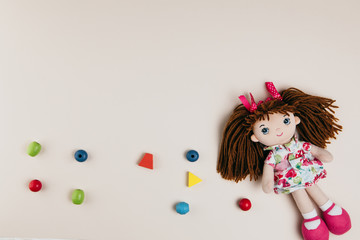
<point x="78" y="196"/>
<point x="34" y="149"/>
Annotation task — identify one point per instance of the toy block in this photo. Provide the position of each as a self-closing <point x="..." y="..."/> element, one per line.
<point x="147" y="161"/>
<point x="192" y="179"/>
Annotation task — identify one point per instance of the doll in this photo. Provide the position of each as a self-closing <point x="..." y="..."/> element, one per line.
<point x="283" y="139"/>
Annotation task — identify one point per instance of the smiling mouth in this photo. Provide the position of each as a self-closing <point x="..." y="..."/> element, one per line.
<point x="280" y="134"/>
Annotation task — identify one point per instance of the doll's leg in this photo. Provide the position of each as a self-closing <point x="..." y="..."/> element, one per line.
<point x="306" y="208"/>
<point x="323" y="201"/>
<point x="313" y="228"/>
<point x="303" y="201"/>
<point x="318" y="196"/>
<point x="337" y="219"/>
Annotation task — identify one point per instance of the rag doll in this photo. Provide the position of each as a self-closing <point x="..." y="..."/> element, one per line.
<point x="283" y="139"/>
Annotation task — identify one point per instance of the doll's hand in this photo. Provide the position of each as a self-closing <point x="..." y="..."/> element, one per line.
<point x="268" y="178"/>
<point x="321" y="154"/>
<point x="268" y="186"/>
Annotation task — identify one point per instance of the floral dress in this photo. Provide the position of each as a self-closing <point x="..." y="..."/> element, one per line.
<point x="294" y="166"/>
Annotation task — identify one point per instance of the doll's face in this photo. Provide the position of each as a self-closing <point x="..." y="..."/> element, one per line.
<point x="277" y="130"/>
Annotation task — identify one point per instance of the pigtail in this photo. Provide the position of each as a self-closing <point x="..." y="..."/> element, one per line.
<point x="239" y="156"/>
<point x="318" y="122"/>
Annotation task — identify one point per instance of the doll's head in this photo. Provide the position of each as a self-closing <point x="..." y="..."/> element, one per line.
<point x="253" y="126"/>
<point x="278" y="129"/>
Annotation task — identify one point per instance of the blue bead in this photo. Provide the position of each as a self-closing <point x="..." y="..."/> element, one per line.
<point x="192" y="155"/>
<point x="182" y="208"/>
<point x="81" y="156"/>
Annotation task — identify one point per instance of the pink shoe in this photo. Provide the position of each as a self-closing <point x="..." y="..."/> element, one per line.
<point x="339" y="224"/>
<point x="320" y="233"/>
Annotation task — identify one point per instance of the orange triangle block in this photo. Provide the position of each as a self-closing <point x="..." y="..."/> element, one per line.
<point x="147" y="161"/>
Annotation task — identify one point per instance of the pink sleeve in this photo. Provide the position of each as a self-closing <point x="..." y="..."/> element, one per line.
<point x="270" y="160"/>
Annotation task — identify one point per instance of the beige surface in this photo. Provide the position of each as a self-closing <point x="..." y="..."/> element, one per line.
<point x="120" y="78"/>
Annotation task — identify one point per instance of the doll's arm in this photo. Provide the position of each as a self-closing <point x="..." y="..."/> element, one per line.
<point x="268" y="178"/>
<point x="321" y="154"/>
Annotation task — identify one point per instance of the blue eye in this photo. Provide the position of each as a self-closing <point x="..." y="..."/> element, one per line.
<point x="265" y="131"/>
<point x="287" y="121"/>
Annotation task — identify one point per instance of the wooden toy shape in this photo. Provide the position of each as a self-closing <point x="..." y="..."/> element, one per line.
<point x="33" y="149"/>
<point x="147" y="161"/>
<point x="192" y="179"/>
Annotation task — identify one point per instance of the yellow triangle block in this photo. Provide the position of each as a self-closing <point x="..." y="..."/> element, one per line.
<point x="192" y="179"/>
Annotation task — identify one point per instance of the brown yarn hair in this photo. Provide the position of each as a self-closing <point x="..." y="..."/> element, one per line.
<point x="240" y="157"/>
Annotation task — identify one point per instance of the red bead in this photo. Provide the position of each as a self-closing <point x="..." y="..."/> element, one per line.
<point x="35" y="185"/>
<point x="245" y="204"/>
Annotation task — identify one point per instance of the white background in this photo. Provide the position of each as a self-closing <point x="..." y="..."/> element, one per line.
<point x="121" y="78"/>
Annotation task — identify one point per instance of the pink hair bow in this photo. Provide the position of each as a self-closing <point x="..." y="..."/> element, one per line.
<point x="251" y="107"/>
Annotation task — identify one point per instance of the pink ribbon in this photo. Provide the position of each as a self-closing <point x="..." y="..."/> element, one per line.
<point x="272" y="90"/>
<point x="252" y="106"/>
